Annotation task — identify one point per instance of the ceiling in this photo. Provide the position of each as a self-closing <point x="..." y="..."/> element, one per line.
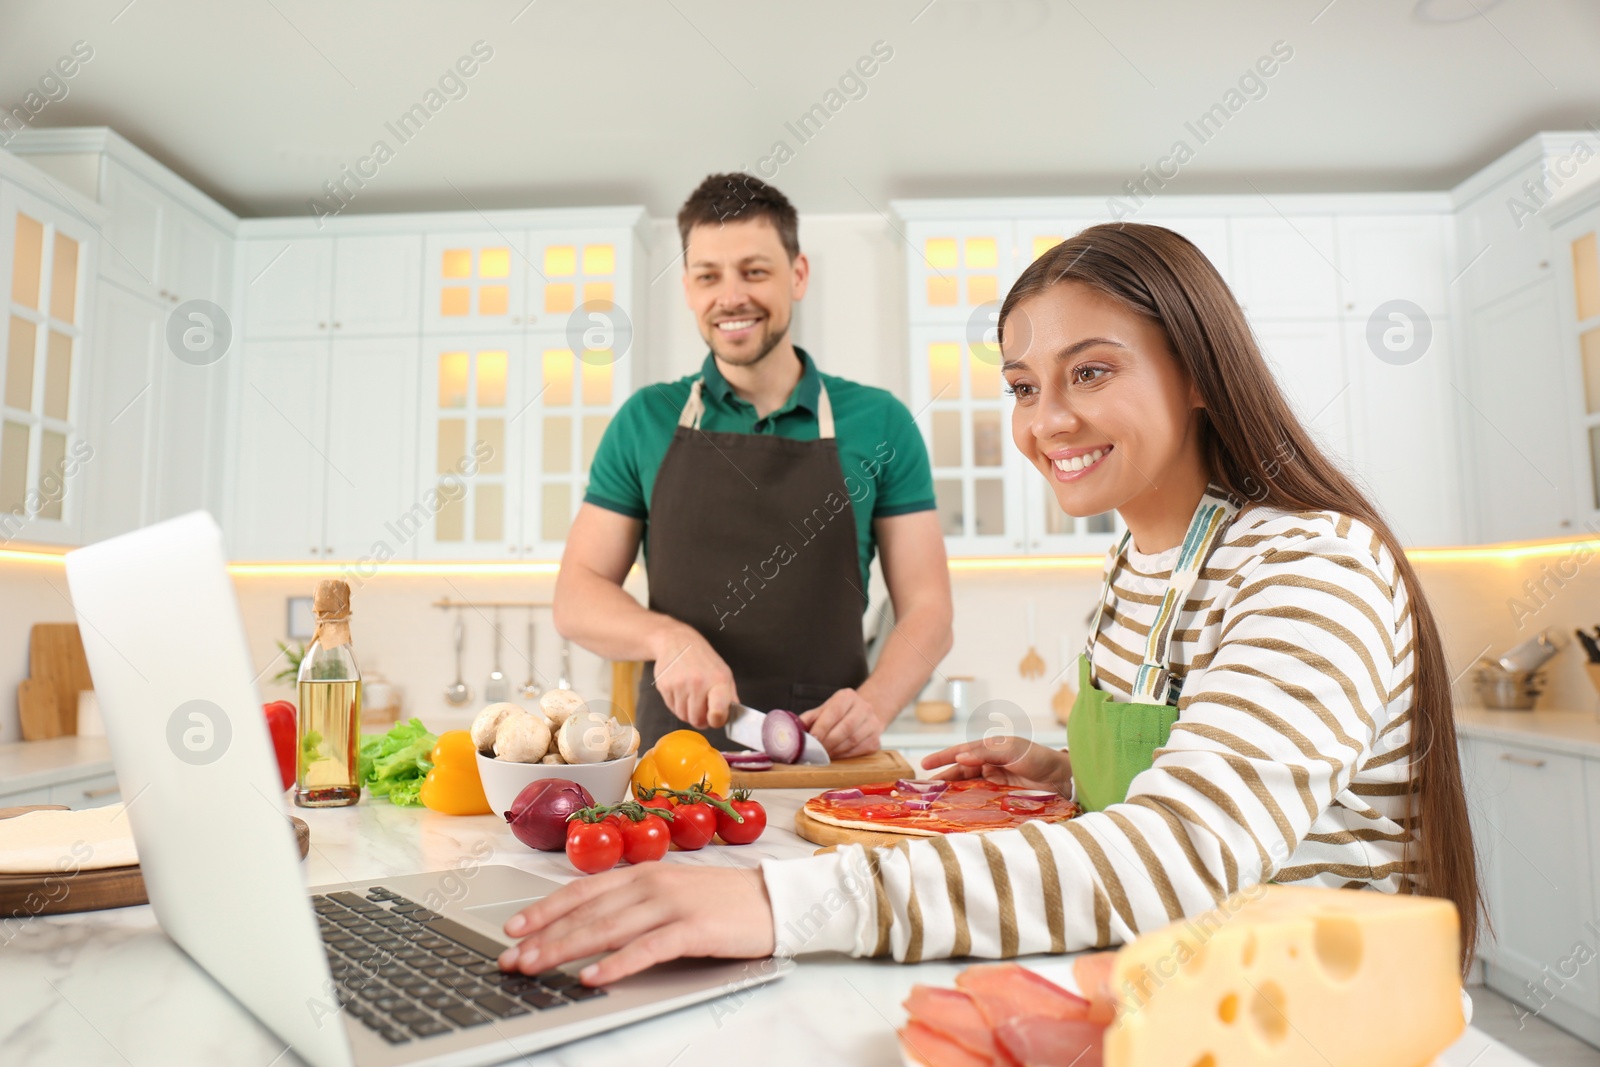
<point x="261" y="102"/>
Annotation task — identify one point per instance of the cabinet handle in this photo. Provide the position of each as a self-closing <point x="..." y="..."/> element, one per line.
<point x="103" y="791"/>
<point x="338" y="326"/>
<point x="1524" y="760"/>
<point x="322" y="326"/>
<point x="314" y="550"/>
<point x="1349" y="307"/>
<point x="1544" y="264"/>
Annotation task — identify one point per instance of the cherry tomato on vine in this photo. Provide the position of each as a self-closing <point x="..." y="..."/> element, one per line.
<point x="593" y="847"/>
<point x="755" y="820"/>
<point x="645" y="840"/>
<point x="693" y="826"/>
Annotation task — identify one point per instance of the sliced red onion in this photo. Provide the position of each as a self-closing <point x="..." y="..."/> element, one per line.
<point x="921" y="785"/>
<point x="917" y="803"/>
<point x="744" y="755"/>
<point x="842" y="794"/>
<point x="783" y="736"/>
<point x="762" y="764"/>
<point x="1035" y="794"/>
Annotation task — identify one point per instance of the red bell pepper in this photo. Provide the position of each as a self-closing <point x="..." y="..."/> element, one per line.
<point x="281" y="716"/>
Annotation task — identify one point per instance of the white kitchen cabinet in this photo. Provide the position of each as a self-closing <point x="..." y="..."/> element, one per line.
<point x="377" y="285"/>
<point x="187" y="398"/>
<point x="1307" y="359"/>
<point x="1501" y="250"/>
<point x="133" y="231"/>
<point x="1393" y="257"/>
<point x="123" y="402"/>
<point x="1537" y="874"/>
<point x="286" y="287"/>
<point x="371" y="435"/>
<point x="475" y="402"/>
<point x="475" y="281"/>
<point x="1283" y="267"/>
<point x="282" y="469"/>
<point x="1514" y="417"/>
<point x="1405" y="436"/>
<point x="1577" y="247"/>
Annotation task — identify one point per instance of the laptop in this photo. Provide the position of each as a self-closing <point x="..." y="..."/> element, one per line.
<point x="392" y="970"/>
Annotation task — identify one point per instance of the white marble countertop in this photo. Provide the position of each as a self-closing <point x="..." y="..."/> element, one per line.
<point x="1573" y="733"/>
<point x="109" y="988"/>
<point x="39" y="764"/>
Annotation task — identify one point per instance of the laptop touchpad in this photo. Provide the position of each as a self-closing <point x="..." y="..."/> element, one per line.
<point x="500" y="911"/>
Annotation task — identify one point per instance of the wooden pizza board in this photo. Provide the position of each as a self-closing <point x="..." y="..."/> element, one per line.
<point x="885" y="765"/>
<point x="822" y="833"/>
<point x="23" y="895"/>
<point x="55" y="657"/>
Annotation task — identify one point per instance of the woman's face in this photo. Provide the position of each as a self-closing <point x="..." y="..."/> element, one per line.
<point x="1103" y="409"/>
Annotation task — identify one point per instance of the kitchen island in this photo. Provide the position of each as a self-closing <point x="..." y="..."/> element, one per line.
<point x="109" y="988"/>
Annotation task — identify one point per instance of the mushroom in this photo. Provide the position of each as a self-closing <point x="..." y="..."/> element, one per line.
<point x="584" y="738"/>
<point x="624" y="740"/>
<point x="522" y="739"/>
<point x="553" y="758"/>
<point x="560" y="704"/>
<point x="488" y="721"/>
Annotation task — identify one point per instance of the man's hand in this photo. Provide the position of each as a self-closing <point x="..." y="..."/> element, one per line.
<point x="693" y="680"/>
<point x="643" y="915"/>
<point x="845" y="724"/>
<point x="1007" y="760"/>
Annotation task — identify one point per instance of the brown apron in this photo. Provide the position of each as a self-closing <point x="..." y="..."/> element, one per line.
<point x="753" y="543"/>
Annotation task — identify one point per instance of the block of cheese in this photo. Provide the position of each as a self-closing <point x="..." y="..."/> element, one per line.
<point x="1284" y="975"/>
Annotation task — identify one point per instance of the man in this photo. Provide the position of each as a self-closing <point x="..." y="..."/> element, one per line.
<point x="761" y="488"/>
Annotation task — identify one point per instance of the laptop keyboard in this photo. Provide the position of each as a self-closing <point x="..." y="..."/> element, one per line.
<point x="407" y="972"/>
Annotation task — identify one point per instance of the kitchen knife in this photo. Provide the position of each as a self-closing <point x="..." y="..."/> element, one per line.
<point x="1590" y="648"/>
<point x="744" y="727"/>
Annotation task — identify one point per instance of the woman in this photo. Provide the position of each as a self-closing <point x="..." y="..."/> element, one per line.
<point x="1264" y="696"/>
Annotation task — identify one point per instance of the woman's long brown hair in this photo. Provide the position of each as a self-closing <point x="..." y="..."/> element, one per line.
<point x="1256" y="448"/>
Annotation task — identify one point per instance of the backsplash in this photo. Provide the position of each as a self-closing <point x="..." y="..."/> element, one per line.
<point x="1482" y="605"/>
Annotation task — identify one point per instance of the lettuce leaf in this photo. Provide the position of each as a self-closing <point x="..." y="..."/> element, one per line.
<point x="394" y="764"/>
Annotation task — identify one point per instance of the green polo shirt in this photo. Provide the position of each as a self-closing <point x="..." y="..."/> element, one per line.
<point x="880" y="448"/>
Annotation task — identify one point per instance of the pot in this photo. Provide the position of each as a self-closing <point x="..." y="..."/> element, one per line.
<point x="1507" y="690"/>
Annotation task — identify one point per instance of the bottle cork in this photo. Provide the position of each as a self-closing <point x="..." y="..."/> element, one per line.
<point x="331" y="605"/>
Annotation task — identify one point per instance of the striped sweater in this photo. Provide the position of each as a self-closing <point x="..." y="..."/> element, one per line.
<point x="1289" y="762"/>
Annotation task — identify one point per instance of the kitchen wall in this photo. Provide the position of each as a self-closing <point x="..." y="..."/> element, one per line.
<point x="853" y="320"/>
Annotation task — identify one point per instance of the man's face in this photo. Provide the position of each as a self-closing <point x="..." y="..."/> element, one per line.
<point x="741" y="287"/>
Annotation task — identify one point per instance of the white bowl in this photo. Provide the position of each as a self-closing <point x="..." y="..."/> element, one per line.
<point x="502" y="780"/>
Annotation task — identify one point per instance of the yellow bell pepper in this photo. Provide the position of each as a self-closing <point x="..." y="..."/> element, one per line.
<point x="679" y="760"/>
<point x="453" y="787"/>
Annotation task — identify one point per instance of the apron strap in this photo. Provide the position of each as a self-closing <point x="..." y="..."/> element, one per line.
<point x="695" y="407"/>
<point x="1153" y="684"/>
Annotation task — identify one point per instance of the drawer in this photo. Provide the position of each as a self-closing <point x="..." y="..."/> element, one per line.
<point x="87" y="792"/>
<point x="26" y="797"/>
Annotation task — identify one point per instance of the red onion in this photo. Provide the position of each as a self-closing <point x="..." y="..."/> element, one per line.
<point x="921" y="785"/>
<point x="538" y="817"/>
<point x="842" y="794"/>
<point x="783" y="736"/>
<point x="762" y="764"/>
<point x="744" y="755"/>
<point x="1035" y="794"/>
<point x="917" y="803"/>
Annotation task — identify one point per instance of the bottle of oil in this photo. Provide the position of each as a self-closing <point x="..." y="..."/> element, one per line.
<point x="330" y="706"/>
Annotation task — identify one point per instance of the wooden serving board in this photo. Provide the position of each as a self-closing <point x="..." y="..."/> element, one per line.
<point x="56" y="658"/>
<point x="23" y="895"/>
<point x="821" y="833"/>
<point x="884" y="765"/>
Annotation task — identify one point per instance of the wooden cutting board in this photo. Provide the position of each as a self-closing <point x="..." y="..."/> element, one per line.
<point x="37" y="711"/>
<point x="822" y="833"/>
<point x="55" y="657"/>
<point x="884" y="765"/>
<point x="24" y="895"/>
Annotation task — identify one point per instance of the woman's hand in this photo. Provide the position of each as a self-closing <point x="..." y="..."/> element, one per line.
<point x="643" y="915"/>
<point x="1007" y="760"/>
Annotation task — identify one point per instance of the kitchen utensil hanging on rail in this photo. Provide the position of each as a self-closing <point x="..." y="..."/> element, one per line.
<point x="459" y="692"/>
<point x="498" y="688"/>
<point x="530" y="688"/>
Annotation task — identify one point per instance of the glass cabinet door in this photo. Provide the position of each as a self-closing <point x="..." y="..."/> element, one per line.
<point x="579" y="281"/>
<point x="475" y="282"/>
<point x="42" y="361"/>
<point x="1582" y="316"/>
<point x="471" y="386"/>
<point x="959" y="271"/>
<point x="572" y="395"/>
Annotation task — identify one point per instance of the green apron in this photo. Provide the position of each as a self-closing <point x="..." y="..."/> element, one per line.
<point x="1112" y="741"/>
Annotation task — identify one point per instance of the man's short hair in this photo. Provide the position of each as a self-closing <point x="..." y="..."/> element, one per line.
<point x="740" y="198"/>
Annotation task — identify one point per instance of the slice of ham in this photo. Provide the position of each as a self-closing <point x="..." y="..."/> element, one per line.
<point x="1039" y="1042"/>
<point x="927" y="1047"/>
<point x="1004" y="990"/>
<point x="1093" y="975"/>
<point x="952" y="1013"/>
